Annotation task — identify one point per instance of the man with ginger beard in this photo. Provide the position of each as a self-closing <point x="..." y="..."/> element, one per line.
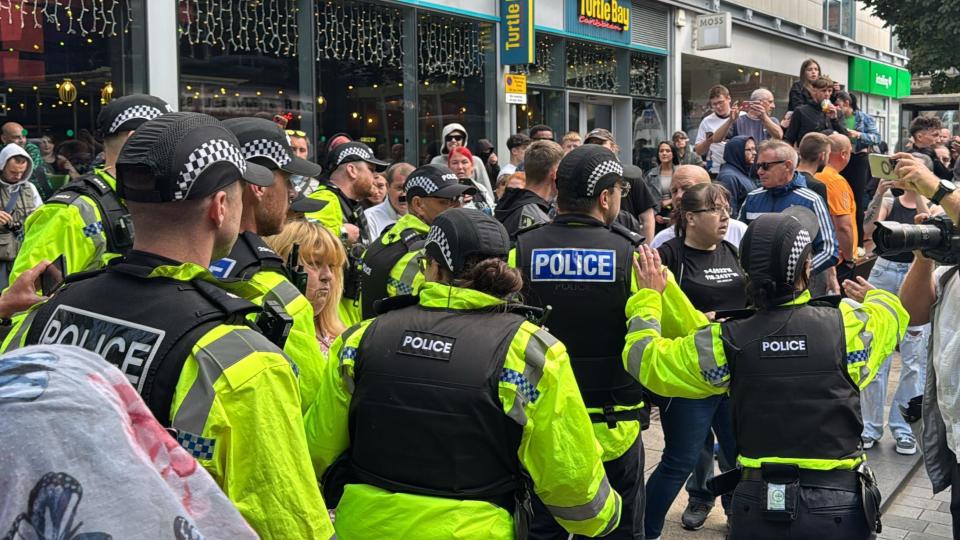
<point x="352" y="166"/>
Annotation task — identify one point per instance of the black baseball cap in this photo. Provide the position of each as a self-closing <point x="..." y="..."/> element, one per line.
<point x="349" y="152"/>
<point x="188" y="156"/>
<point x="127" y="113"/>
<point x="632" y="172"/>
<point x="776" y="246"/>
<point x="435" y="181"/>
<point x="459" y="233"/>
<point x="263" y="142"/>
<point x="588" y="170"/>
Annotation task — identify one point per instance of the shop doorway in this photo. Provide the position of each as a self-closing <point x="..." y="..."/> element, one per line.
<point x="586" y="112"/>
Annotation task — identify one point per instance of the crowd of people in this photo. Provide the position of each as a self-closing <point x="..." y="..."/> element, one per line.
<point x="469" y="348"/>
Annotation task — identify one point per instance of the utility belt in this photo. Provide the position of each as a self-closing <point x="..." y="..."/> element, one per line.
<point x="781" y="482"/>
<point x="610" y="417"/>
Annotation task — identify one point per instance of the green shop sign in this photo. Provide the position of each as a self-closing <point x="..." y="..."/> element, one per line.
<point x="878" y="79"/>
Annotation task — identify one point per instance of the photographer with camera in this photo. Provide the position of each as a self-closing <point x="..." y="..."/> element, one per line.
<point x="932" y="294"/>
<point x="18" y="199"/>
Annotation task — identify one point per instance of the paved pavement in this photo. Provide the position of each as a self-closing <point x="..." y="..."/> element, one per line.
<point x="911" y="511"/>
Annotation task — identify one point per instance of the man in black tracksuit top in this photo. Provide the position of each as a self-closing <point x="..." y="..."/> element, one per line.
<point x="522" y="208"/>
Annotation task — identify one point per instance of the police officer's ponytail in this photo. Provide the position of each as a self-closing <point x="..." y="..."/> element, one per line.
<point x="491" y="276"/>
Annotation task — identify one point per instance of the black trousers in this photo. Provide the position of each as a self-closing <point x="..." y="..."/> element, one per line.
<point x="820" y="514"/>
<point x="626" y="477"/>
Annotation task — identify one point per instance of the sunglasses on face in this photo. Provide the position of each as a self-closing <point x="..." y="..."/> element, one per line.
<point x="458" y="138"/>
<point x="296" y="133"/>
<point x="769" y="164"/>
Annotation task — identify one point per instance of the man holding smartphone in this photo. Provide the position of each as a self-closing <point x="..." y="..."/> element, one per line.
<point x="753" y="120"/>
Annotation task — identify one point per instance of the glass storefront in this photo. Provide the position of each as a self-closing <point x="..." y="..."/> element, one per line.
<point x="361" y="53"/>
<point x="698" y="75"/>
<point x="576" y="85"/>
<point x="62" y="61"/>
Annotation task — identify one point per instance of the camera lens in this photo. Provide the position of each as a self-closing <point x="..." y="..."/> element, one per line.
<point x="893" y="237"/>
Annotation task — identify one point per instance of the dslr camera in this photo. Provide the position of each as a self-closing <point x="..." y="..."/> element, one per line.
<point x="936" y="238"/>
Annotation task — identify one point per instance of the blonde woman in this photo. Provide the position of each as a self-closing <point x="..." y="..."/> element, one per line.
<point x="323" y="259"/>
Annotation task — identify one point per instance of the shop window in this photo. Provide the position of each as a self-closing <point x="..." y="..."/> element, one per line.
<point x="60" y="64"/>
<point x="544" y="106"/>
<point x="592" y="67"/>
<point x="456" y="72"/>
<point x="360" y="74"/>
<point x="839" y="16"/>
<point x="649" y="128"/>
<point x="547" y="69"/>
<point x="239" y="58"/>
<point x="646" y="75"/>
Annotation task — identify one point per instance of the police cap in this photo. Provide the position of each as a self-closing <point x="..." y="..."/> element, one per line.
<point x="588" y="170"/>
<point x="264" y="143"/>
<point x="459" y="233"/>
<point x="776" y="246"/>
<point x="187" y="156"/>
<point x="127" y="113"/>
<point x="349" y="152"/>
<point x="435" y="181"/>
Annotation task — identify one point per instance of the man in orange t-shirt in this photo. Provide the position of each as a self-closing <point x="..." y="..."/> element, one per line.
<point x="840" y="199"/>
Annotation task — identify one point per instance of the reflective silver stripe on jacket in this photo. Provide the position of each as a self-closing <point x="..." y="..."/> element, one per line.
<point x="589" y="510"/>
<point x="16" y="341"/>
<point x="212" y="360"/>
<point x="712" y="373"/>
<point x="88" y="214"/>
<point x="535" y="358"/>
<point x="284" y="293"/>
<point x="866" y="337"/>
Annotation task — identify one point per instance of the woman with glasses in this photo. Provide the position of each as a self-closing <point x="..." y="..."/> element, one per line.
<point x="323" y="259"/>
<point x="463" y="163"/>
<point x="706" y="268"/>
<point x="449" y="410"/>
<point x="658" y="180"/>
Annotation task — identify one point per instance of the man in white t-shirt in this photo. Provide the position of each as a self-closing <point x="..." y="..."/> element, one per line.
<point x="685" y="177"/>
<point x="720" y="103"/>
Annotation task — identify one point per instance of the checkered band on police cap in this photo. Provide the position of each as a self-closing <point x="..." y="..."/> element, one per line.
<point x="268" y="149"/>
<point x="203" y="156"/>
<point x="800" y="243"/>
<point x="599" y="171"/>
<point x="358" y="151"/>
<point x="143" y="112"/>
<point x="422" y="182"/>
<point x="438" y="238"/>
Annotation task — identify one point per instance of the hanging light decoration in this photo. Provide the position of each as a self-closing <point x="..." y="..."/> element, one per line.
<point x="67" y="91"/>
<point x="106" y="93"/>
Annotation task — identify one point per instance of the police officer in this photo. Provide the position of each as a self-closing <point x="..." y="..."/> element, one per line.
<point x="391" y="265"/>
<point x="580" y="265"/>
<point x="264" y="213"/>
<point x="85" y="221"/>
<point x="442" y="406"/>
<point x="794" y="370"/>
<point x="228" y="393"/>
<point x="352" y="166"/>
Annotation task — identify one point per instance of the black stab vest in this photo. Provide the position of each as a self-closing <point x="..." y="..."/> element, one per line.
<point x="426" y="416"/>
<point x="792" y="395"/>
<point x="144" y="326"/>
<point x="588" y="299"/>
<point x="249" y="255"/>
<point x="378" y="262"/>
<point x="114" y="216"/>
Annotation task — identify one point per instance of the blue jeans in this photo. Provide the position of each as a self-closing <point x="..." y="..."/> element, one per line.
<point x="888" y="275"/>
<point x="686" y="423"/>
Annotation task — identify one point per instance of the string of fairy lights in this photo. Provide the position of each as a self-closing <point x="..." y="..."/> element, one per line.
<point x="103" y="18"/>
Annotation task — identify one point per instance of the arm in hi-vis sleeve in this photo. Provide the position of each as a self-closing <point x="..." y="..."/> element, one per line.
<point x="872" y="331"/>
<point x="693" y="366"/>
<point x="239" y="396"/>
<point x="330" y="216"/>
<point x="679" y="316"/>
<point x="73" y="231"/>
<point x="558" y="448"/>
<point x="326" y="420"/>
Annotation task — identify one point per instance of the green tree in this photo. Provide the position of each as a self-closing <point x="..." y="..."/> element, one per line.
<point x="929" y="30"/>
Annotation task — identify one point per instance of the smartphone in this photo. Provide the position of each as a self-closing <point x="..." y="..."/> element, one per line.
<point x="52" y="278"/>
<point x="882" y="166"/>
